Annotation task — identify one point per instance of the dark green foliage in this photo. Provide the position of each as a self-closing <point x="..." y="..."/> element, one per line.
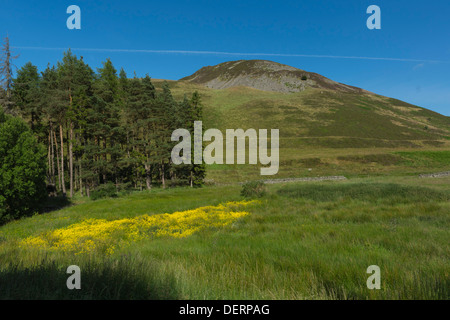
<point x="311" y="162"/>
<point x="104" y="129"/>
<point x="26" y="96"/>
<point x="253" y="189"/>
<point x="107" y="190"/>
<point x="22" y="170"/>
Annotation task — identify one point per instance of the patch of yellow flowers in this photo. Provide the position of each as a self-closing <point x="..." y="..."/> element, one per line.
<point x="106" y="235"/>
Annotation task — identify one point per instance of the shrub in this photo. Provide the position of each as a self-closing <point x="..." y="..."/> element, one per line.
<point x="253" y="189"/>
<point x="304" y="78"/>
<point x="22" y="170"/>
<point x="107" y="190"/>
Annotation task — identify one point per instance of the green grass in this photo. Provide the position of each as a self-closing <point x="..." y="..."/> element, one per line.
<point x="371" y="192"/>
<point x="303" y="241"/>
<point x="436" y="159"/>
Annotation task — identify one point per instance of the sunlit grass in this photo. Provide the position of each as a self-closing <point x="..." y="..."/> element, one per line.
<point x="302" y="241"/>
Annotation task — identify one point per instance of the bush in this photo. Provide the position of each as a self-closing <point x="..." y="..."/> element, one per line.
<point x="253" y="189"/>
<point x="107" y="190"/>
<point x="23" y="169"/>
<point x="304" y="78"/>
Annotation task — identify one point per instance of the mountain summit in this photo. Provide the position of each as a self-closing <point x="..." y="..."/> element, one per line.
<point x="264" y="75"/>
<point x="318" y="113"/>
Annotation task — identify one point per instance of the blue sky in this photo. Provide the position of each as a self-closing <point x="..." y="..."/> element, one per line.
<point x="416" y="32"/>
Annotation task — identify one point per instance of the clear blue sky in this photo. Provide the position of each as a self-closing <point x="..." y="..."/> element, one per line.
<point x="411" y="30"/>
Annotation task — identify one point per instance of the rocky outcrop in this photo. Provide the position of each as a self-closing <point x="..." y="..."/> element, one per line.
<point x="264" y="75"/>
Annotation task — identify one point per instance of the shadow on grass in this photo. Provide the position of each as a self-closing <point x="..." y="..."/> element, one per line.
<point x="50" y="204"/>
<point x="55" y="203"/>
<point x="110" y="279"/>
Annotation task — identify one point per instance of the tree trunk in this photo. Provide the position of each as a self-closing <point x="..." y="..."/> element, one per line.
<point x="52" y="156"/>
<point x="49" y="157"/>
<point x="172" y="173"/>
<point x="62" y="159"/>
<point x="148" y="176"/>
<point x="75" y="175"/>
<point x="163" y="180"/>
<point x="105" y="158"/>
<point x="57" y="162"/>
<point x="71" y="158"/>
<point x="81" y="179"/>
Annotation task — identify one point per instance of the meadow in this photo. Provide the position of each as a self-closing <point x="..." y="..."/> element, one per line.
<point x="309" y="240"/>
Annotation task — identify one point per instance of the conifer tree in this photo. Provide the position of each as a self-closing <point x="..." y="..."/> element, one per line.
<point x="6" y="77"/>
<point x="198" y="171"/>
<point x="74" y="79"/>
<point x="107" y="95"/>
<point x="165" y="110"/>
<point x="26" y="94"/>
<point x="48" y="101"/>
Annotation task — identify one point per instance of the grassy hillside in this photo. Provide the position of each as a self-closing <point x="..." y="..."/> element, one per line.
<point x="330" y="132"/>
<point x="301" y="241"/>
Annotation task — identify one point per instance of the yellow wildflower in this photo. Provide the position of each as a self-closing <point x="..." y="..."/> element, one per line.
<point x="93" y="234"/>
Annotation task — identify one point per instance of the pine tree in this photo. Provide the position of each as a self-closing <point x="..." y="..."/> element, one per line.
<point x="48" y="101"/>
<point x="148" y="123"/>
<point x="166" y="122"/>
<point x="125" y="165"/>
<point x="6" y="77"/>
<point x="135" y="113"/>
<point x="74" y="79"/>
<point x="184" y="119"/>
<point x="26" y="95"/>
<point x="107" y="95"/>
<point x="198" y="171"/>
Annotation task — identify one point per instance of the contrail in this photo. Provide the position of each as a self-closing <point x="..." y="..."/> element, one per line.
<point x="234" y="54"/>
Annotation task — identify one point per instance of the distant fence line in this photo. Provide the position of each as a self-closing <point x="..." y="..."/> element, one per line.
<point x="435" y="175"/>
<point x="271" y="181"/>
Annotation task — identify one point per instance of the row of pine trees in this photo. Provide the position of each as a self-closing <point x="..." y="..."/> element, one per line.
<point x="103" y="127"/>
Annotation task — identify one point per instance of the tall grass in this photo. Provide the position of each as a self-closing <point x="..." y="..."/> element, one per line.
<point x="123" y="278"/>
<point x="373" y="192"/>
<point x="303" y="241"/>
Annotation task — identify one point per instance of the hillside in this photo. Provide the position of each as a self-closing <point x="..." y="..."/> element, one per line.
<point x="264" y="94"/>
<point x="330" y="127"/>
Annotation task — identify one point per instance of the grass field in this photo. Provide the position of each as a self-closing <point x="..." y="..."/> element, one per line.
<point x="300" y="241"/>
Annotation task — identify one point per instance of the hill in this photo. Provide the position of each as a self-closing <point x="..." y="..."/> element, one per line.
<point x="265" y="94"/>
<point x="331" y="128"/>
<point x="264" y="75"/>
